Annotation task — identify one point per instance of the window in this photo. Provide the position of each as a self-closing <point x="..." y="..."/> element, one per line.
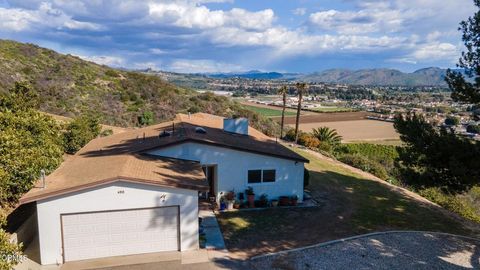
<point x="268" y="176"/>
<point x="261" y="176"/>
<point x="254" y="176"/>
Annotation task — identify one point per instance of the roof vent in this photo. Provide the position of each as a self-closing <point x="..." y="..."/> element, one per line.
<point x="200" y="130"/>
<point x="165" y="133"/>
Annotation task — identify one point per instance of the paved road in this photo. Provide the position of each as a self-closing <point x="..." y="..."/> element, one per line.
<point x="412" y="250"/>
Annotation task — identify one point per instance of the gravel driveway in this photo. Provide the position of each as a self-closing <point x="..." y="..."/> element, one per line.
<point x="395" y="250"/>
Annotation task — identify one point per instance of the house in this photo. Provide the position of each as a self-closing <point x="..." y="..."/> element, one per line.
<point x="138" y="191"/>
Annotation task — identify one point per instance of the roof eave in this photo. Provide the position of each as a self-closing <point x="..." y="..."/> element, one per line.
<point x="29" y="199"/>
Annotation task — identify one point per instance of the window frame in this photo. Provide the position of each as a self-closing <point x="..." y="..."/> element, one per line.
<point x="261" y="177"/>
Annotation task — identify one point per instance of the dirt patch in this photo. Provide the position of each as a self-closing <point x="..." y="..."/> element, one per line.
<point x="360" y="130"/>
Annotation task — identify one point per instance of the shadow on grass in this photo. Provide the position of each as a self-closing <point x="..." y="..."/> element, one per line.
<point x="349" y="206"/>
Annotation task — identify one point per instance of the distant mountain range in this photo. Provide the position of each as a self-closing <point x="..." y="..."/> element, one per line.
<point x="432" y="76"/>
<point x="255" y="74"/>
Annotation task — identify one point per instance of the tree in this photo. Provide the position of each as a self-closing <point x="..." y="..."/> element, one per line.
<point x="327" y="135"/>
<point x="463" y="89"/>
<point x="433" y="157"/>
<point x="440" y="158"/>
<point x="146" y="118"/>
<point x="29" y="142"/>
<point x="79" y="132"/>
<point x="473" y="129"/>
<point x="283" y="91"/>
<point x="452" y="121"/>
<point x="301" y="89"/>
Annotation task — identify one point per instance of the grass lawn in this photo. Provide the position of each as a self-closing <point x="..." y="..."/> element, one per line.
<point x="348" y="205"/>
<point x="268" y="112"/>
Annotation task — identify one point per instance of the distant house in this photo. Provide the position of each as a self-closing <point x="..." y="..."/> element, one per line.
<point x="137" y="191"/>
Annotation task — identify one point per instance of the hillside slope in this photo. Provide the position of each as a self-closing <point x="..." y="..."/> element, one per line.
<point x="69" y="86"/>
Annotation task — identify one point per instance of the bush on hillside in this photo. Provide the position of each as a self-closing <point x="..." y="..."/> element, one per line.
<point x="79" y="132"/>
<point x="308" y="140"/>
<point x="450" y="202"/>
<point x="365" y="164"/>
<point x="473" y="129"/>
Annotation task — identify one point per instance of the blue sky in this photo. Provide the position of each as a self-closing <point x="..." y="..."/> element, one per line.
<point x="241" y="35"/>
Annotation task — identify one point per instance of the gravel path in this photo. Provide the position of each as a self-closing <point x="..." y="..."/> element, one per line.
<point x="395" y="250"/>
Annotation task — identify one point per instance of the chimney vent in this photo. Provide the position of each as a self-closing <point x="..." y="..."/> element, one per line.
<point x="42" y="177"/>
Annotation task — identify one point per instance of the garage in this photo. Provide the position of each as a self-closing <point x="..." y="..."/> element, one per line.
<point x="121" y="232"/>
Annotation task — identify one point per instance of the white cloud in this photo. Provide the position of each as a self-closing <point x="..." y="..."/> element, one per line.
<point x="44" y="17"/>
<point x="189" y="15"/>
<point x="112" y="61"/>
<point x="437" y="51"/>
<point x="299" y="11"/>
<point x="202" y="66"/>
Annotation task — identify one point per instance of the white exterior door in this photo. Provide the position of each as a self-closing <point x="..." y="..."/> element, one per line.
<point x="116" y="233"/>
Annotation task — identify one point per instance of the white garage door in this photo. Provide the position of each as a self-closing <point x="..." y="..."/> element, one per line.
<point x="115" y="233"/>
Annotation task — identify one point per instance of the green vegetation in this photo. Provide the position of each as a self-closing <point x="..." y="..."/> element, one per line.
<point x="268" y="112"/>
<point x="79" y="132"/>
<point x="452" y="121"/>
<point x="146" y="118"/>
<point x="327" y="135"/>
<point x="332" y="109"/>
<point x="359" y="205"/>
<point x="29" y="142"/>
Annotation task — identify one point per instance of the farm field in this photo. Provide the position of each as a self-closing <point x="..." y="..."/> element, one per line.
<point x="360" y="130"/>
<point x="269" y="111"/>
<point x="332" y="109"/>
<point x="312" y="117"/>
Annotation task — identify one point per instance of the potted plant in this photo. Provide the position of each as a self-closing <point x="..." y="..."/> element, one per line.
<point x="250" y="197"/>
<point x="230" y="198"/>
<point x="294" y="200"/>
<point x="241" y="198"/>
<point x="274" y="203"/>
<point x="264" y="200"/>
<point x="284" y="201"/>
<point x="222" y="203"/>
<point x="236" y="205"/>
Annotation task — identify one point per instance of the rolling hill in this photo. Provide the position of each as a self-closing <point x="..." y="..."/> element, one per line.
<point x="69" y="86"/>
<point x="423" y="77"/>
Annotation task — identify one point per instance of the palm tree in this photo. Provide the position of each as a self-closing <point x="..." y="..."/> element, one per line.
<point x="327" y="135"/>
<point x="283" y="91"/>
<point x="301" y="89"/>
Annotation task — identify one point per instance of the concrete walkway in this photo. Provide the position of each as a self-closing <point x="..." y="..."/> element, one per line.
<point x="213" y="234"/>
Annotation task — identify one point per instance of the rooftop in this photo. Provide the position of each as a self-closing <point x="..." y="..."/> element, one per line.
<point x="123" y="156"/>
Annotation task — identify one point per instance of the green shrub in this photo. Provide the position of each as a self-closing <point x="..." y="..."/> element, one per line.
<point x="473" y="129"/>
<point x="365" y="164"/>
<point x="450" y="202"/>
<point x="79" y="132"/>
<point x="383" y="154"/>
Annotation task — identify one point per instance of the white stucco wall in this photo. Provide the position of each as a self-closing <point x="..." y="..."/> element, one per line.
<point x="233" y="166"/>
<point x="109" y="197"/>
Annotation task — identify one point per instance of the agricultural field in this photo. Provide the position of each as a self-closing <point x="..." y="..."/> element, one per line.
<point x="331" y="109"/>
<point x="269" y="111"/>
<point x="360" y="130"/>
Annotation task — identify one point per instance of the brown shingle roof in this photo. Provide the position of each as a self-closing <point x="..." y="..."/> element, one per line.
<point x="122" y="156"/>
